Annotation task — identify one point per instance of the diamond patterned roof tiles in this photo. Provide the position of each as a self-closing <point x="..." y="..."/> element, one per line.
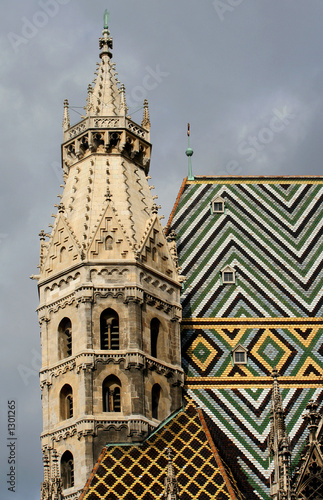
<point x="137" y="471"/>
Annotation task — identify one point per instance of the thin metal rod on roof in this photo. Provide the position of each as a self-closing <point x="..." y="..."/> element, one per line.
<point x="189" y="153"/>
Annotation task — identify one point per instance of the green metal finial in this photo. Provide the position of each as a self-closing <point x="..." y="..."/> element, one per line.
<point x="106" y="19"/>
<point x="189" y="153"/>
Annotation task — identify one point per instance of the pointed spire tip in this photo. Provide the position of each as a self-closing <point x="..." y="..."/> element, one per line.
<point x="66" y="116"/>
<point x="146" y="119"/>
<point x="106" y="19"/>
<point x="105" y="42"/>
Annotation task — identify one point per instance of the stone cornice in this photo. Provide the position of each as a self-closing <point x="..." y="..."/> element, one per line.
<point x="87" y="292"/>
<point x="58" y="369"/>
<point x="73" y="496"/>
<point x="164" y="277"/>
<point x="60" y="274"/>
<point x="88" y="426"/>
<point x="57" y="304"/>
<point x="88" y="361"/>
<point x="94" y="263"/>
<point x="166" y="306"/>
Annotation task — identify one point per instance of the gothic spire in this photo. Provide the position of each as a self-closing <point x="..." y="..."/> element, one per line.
<point x="145" y="119"/>
<point x="66" y="118"/>
<point x="279" y="445"/>
<point x="106" y="148"/>
<point x="171" y="486"/>
<point x="278" y="429"/>
<point x="312" y="418"/>
<point x="104" y="99"/>
<point x="124" y="107"/>
<point x="308" y="478"/>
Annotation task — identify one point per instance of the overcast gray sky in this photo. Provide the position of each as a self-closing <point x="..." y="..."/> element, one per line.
<point x="247" y="75"/>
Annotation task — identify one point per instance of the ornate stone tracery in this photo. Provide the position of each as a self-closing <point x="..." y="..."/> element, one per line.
<point x="279" y="445"/>
<point x="307" y="481"/>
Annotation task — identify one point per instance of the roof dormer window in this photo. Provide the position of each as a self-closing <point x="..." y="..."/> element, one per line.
<point x="228" y="275"/>
<point x="217" y="205"/>
<point x="239" y="355"/>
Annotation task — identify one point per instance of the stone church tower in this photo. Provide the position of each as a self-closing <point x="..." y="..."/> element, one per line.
<point x="109" y="293"/>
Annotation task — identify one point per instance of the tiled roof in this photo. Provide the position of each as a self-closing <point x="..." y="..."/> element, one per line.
<point x="282" y="180"/>
<point x="138" y="471"/>
<point x="270" y="232"/>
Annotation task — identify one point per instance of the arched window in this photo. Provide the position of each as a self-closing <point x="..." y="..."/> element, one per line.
<point x="69" y="406"/>
<point x="67" y="470"/>
<point x="66" y="402"/>
<point x="109" y="243"/>
<point x="111" y="394"/>
<point x="109" y="329"/>
<point x="62" y="254"/>
<point x="65" y="338"/>
<point x="154" y="331"/>
<point x="155" y="399"/>
<point x="154" y="254"/>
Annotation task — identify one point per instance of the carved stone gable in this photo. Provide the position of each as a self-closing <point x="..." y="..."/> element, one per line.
<point x="310" y="486"/>
<point x="110" y="241"/>
<point x="62" y="249"/>
<point x="308" y="478"/>
<point x="155" y="251"/>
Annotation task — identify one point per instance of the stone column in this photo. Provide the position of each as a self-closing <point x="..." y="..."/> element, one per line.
<point x="137" y="391"/>
<point x="84" y="390"/>
<point x="134" y="322"/>
<point x="84" y="297"/>
<point x="43" y="322"/>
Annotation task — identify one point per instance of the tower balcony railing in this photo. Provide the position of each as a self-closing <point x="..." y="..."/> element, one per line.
<point x="105" y="122"/>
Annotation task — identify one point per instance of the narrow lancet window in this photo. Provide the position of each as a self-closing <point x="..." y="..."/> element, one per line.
<point x="109" y="329"/>
<point x="111" y="394"/>
<point x="66" y="402"/>
<point x="109" y="243"/>
<point x="65" y="338"/>
<point x="154" y="332"/>
<point x="67" y="470"/>
<point x="155" y="401"/>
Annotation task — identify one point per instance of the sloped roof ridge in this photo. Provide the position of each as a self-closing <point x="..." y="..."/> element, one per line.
<point x="216" y="454"/>
<point x="230" y="178"/>
<point x="94" y="470"/>
<point x="190" y="409"/>
<point x="166" y="421"/>
<point x="105" y="449"/>
<point x="175" y="206"/>
<point x="241" y="485"/>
